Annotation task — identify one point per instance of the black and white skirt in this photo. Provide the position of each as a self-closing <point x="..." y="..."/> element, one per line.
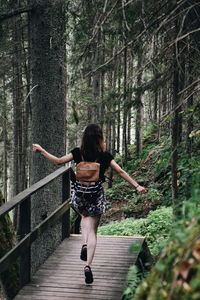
<point x="87" y="202"/>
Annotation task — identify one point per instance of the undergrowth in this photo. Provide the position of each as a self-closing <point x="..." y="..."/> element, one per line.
<point x="155" y="227"/>
<point x="175" y="242"/>
<point x="176" y="274"/>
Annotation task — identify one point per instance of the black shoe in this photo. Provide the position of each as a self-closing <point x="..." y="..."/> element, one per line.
<point x="88" y="275"/>
<point x="83" y="255"/>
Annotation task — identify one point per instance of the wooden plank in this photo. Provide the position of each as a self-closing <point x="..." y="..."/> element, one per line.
<point x="79" y="274"/>
<point x="89" y="293"/>
<point x="100" y="263"/>
<point x="68" y="280"/>
<point x="58" y="282"/>
<point x="65" y="297"/>
<point x="62" y="276"/>
<point x="55" y="290"/>
<point x="60" y="268"/>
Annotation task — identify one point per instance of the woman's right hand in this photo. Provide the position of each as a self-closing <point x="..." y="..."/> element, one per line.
<point x="141" y="189"/>
<point x="37" y="148"/>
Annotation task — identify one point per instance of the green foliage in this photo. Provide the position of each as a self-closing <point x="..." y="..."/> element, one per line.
<point x="118" y="192"/>
<point x="132" y="164"/>
<point x="188" y="169"/>
<point x="194" y="133"/>
<point x="73" y="216"/>
<point x="163" y="157"/>
<point x="149" y="131"/>
<point x="155" y="227"/>
<point x="178" y="269"/>
<point x="133" y="280"/>
<point x="176" y="274"/>
<point x="126" y="227"/>
<point x="137" y="201"/>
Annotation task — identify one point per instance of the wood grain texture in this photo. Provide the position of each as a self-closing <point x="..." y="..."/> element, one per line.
<point x="62" y="275"/>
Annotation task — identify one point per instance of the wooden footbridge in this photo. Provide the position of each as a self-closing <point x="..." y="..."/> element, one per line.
<point x="61" y="276"/>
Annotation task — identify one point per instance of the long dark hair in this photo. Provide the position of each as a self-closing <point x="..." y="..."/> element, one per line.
<point x="92" y="142"/>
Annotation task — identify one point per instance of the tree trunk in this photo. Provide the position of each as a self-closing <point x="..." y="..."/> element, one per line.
<point x="19" y="176"/>
<point x="129" y="128"/>
<point x="130" y="101"/>
<point x="118" y="115"/>
<point x="175" y="128"/>
<point x="159" y="114"/>
<point x="102" y="111"/>
<point x="175" y="138"/>
<point x="47" y="23"/>
<point x="18" y="182"/>
<point x="97" y="82"/>
<point x="27" y="106"/>
<point x="155" y="107"/>
<point x="189" y="121"/>
<point x="5" y="142"/>
<point x="139" y="107"/>
<point x="125" y="110"/>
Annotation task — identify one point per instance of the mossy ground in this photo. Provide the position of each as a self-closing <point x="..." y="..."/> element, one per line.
<point x="10" y="278"/>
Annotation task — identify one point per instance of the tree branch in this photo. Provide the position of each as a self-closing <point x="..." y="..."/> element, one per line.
<point x="14" y="12"/>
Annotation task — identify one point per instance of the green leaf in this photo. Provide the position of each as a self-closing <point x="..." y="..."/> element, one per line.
<point x="135" y="247"/>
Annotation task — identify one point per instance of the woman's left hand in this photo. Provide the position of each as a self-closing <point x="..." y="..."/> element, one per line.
<point x="37" y="148"/>
<point x="141" y="189"/>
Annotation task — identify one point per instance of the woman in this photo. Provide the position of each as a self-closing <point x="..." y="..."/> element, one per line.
<point x="92" y="149"/>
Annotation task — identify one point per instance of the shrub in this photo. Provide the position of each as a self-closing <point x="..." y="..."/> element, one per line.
<point x="178" y="270"/>
<point x="176" y="274"/>
<point x="155" y="227"/>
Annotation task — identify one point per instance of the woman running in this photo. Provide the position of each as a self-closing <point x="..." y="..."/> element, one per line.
<point x="93" y="206"/>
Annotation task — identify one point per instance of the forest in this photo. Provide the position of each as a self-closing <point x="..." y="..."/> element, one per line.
<point x="131" y="66"/>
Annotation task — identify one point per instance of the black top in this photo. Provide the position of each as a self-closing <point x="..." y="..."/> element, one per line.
<point x="104" y="158"/>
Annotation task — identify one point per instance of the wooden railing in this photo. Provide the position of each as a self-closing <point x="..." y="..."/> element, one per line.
<point x="28" y="236"/>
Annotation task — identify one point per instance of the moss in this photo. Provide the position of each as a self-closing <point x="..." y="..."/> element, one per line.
<point x="9" y="278"/>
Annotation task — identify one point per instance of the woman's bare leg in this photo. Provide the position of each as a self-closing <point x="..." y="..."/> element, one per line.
<point x="84" y="232"/>
<point x="89" y="227"/>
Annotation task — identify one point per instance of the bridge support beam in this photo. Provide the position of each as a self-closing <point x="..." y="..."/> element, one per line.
<point x="65" y="196"/>
<point x="24" y="228"/>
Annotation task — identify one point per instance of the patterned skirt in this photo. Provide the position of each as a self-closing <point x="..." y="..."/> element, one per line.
<point x="89" y="205"/>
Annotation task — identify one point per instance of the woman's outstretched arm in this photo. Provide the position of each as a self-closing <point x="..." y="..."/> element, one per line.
<point x="52" y="158"/>
<point x="126" y="177"/>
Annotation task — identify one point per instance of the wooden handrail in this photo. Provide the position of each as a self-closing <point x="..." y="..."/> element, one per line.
<point x="27" y="236"/>
<point x="4" y="209"/>
<point x="25" y="243"/>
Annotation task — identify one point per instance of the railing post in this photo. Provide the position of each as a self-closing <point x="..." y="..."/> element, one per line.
<point x="24" y="228"/>
<point x="65" y="196"/>
<point x="77" y="224"/>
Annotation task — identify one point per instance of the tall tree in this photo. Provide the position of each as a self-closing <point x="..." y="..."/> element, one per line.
<point x="19" y="174"/>
<point x="47" y="23"/>
<point x="5" y="140"/>
<point x="125" y="109"/>
<point x="139" y="105"/>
